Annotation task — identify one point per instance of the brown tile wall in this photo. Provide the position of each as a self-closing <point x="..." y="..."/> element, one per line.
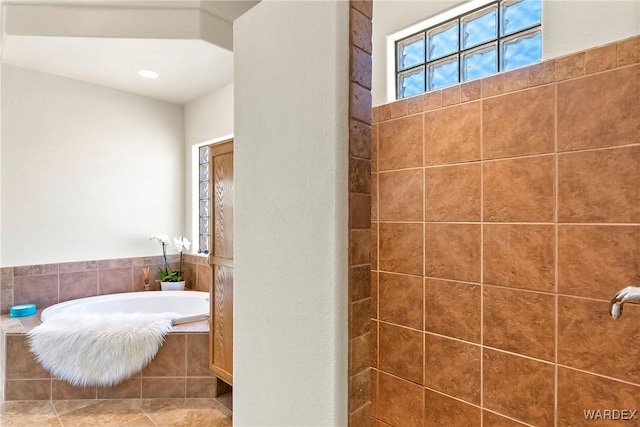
<point x="180" y="370"/>
<point x="49" y="284"/>
<point x="360" y="237"/>
<point x="505" y="215"/>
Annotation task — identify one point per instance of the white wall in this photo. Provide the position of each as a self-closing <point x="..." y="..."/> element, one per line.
<point x="88" y="172"/>
<point x="571" y="26"/>
<point x="568" y="26"/>
<point x="206" y="119"/>
<point x="1" y="228"/>
<point x="2" y="41"/>
<point x="291" y="149"/>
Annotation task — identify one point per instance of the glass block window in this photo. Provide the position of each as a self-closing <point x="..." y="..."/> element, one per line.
<point x="204" y="200"/>
<point x="499" y="36"/>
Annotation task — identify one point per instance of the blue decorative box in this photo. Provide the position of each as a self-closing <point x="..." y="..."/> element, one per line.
<point x="22" y="310"/>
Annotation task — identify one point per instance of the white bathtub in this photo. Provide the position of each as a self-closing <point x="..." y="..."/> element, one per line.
<point x="190" y="306"/>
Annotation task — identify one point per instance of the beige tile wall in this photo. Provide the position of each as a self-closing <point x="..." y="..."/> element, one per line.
<point x="506" y="214"/>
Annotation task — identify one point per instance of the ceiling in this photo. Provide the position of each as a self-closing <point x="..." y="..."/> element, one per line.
<point x="188" y="66"/>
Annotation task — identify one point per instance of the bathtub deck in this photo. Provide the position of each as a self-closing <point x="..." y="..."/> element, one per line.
<point x="180" y="370"/>
<point x="22" y="325"/>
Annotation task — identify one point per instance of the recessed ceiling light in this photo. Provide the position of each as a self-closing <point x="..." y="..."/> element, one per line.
<point x="148" y="74"/>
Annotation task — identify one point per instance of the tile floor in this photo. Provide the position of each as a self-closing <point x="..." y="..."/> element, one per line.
<point x="118" y="413"/>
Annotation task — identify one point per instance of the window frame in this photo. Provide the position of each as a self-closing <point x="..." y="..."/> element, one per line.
<point x="195" y="193"/>
<point x="455" y="15"/>
<point x="199" y="217"/>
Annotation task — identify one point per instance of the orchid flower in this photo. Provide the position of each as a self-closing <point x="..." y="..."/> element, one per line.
<point x="180" y="243"/>
<point x="160" y="238"/>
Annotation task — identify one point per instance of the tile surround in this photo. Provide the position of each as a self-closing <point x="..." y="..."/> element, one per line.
<point x="508" y="130"/>
<point x="180" y="369"/>
<point x="531" y="223"/>
<point x="599" y="110"/>
<point x="443" y="411"/>
<point x="519" y="322"/>
<point x="400" y="248"/>
<point x="591" y="258"/>
<point x="402" y="191"/>
<point x="452" y="251"/>
<point x="453" y="193"/>
<point x="400" y="299"/>
<point x="400" y="402"/>
<point x="519" y="190"/>
<point x="457" y="317"/>
<point x="578" y="391"/>
<point x="519" y="256"/>
<point x="452" y="135"/>
<point x="400" y="352"/>
<point x="519" y="387"/>
<point x="600" y="186"/>
<point x="589" y="340"/>
<point x="452" y="367"/>
<point x="400" y="143"/>
<point x="49" y="284"/>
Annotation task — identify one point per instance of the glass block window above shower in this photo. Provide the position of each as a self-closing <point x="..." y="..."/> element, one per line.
<point x="204" y="200"/>
<point x="496" y="36"/>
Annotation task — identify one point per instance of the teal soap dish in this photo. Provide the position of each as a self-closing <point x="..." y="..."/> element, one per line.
<point x="22" y="310"/>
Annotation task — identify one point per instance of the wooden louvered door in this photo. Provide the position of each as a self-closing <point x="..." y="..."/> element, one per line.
<point x="221" y="260"/>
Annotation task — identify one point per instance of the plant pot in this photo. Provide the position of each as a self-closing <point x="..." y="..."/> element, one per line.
<point x="172" y="286"/>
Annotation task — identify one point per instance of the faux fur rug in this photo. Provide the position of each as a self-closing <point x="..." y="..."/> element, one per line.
<point x="99" y="349"/>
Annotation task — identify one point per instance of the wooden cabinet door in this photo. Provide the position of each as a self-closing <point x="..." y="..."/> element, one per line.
<point x="221" y="260"/>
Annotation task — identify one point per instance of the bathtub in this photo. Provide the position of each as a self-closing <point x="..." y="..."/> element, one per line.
<point x="190" y="306"/>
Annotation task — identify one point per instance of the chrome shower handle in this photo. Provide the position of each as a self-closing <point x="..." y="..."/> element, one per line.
<point x="629" y="294"/>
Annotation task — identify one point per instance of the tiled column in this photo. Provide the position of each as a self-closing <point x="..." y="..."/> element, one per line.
<point x="359" y="212"/>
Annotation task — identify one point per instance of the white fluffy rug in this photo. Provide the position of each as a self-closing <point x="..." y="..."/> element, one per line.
<point x="99" y="349"/>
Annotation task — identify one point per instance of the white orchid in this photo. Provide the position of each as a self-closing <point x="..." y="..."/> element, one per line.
<point x="181" y="243"/>
<point x="160" y="238"/>
<point x="166" y="274"/>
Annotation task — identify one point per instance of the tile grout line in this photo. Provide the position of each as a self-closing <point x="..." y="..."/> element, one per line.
<point x="592" y="149"/>
<point x="596" y="374"/>
<point x="377" y="142"/>
<point x="424" y="261"/>
<point x="520" y="422"/>
<point x="556" y="264"/>
<point x="186" y="364"/>
<point x="482" y="288"/>
<point x="58" y="279"/>
<point x="56" y="413"/>
<point x="475" y="405"/>
<point x="524" y="356"/>
<point x="517" y="157"/>
<point x="143" y="412"/>
<point x="490" y="224"/>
